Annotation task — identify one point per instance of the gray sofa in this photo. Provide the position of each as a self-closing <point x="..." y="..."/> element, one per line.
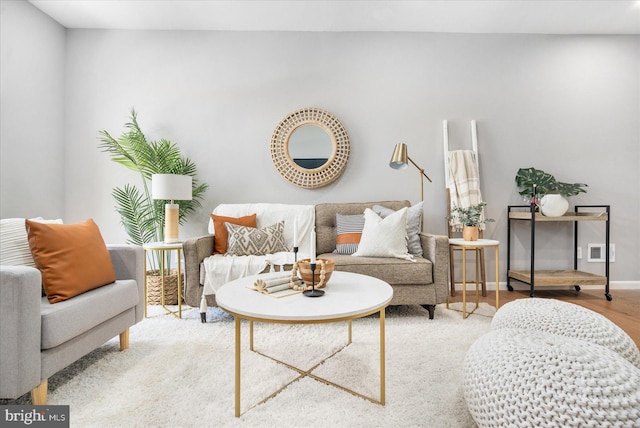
<point x="424" y="282"/>
<point x="37" y="338"/>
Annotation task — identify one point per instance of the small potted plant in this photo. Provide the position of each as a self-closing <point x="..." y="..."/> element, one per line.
<point x="471" y="220"/>
<point x="541" y="188"/>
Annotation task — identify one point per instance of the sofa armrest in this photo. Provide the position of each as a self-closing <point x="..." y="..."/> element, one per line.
<point x="20" y="330"/>
<point x="195" y="251"/>
<point x="128" y="262"/>
<point x="436" y="249"/>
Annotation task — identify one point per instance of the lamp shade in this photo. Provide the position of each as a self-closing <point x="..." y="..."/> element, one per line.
<point x="399" y="158"/>
<point x="171" y="187"/>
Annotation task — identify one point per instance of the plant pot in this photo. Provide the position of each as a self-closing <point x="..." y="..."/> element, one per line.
<point x="553" y="205"/>
<point x="470" y="233"/>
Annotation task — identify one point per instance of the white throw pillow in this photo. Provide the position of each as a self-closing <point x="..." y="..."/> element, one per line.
<point x="384" y="237"/>
<point x="14" y="243"/>
<point x="414" y="225"/>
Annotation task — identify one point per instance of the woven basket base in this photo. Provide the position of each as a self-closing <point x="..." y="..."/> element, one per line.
<point x="154" y="288"/>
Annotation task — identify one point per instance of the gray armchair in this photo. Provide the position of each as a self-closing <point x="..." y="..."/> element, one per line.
<point x="37" y="338"/>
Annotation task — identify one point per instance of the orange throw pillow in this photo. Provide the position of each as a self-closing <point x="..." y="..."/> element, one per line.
<point x="220" y="231"/>
<point x="72" y="258"/>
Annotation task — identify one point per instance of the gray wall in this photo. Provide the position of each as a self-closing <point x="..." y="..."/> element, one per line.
<point x="32" y="58"/>
<point x="567" y="104"/>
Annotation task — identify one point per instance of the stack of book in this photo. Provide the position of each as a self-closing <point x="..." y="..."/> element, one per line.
<point x="277" y="284"/>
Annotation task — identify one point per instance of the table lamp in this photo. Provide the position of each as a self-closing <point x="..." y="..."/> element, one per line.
<point x="171" y="187"/>
<point x="400" y="159"/>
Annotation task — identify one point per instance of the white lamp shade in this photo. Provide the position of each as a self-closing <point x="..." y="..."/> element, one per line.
<point x="171" y="187"/>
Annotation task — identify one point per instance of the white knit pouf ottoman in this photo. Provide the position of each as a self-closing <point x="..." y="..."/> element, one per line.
<point x="566" y="319"/>
<point x="524" y="378"/>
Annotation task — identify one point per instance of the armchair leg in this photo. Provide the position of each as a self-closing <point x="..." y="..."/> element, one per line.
<point x="124" y="340"/>
<point x="39" y="393"/>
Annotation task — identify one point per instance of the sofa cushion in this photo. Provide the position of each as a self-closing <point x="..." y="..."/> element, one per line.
<point x="349" y="232"/>
<point x="70" y="318"/>
<point x="389" y="269"/>
<point x="221" y="234"/>
<point x="72" y="258"/>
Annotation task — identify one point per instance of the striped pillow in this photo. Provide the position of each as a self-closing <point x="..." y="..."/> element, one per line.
<point x="349" y="229"/>
<point x="14" y="242"/>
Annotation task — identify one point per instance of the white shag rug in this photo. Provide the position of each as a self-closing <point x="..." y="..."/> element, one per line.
<point x="180" y="373"/>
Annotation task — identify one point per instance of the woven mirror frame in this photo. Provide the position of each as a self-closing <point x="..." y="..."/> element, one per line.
<point x="324" y="174"/>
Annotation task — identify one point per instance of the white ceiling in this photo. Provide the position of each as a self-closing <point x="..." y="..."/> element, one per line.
<point x="460" y="16"/>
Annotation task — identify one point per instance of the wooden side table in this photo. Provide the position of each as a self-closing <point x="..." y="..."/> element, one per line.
<point x="163" y="248"/>
<point x="477" y="247"/>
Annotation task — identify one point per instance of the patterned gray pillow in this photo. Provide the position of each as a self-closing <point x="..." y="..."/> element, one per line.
<point x="246" y="241"/>
<point x="414" y="225"/>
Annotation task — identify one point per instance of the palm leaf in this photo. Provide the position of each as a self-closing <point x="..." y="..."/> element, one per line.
<point x="135" y="214"/>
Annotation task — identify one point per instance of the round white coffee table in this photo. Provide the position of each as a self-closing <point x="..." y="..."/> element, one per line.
<point x="348" y="296"/>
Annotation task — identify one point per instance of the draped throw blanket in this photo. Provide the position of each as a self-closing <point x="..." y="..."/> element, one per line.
<point x="463" y="182"/>
<point x="220" y="269"/>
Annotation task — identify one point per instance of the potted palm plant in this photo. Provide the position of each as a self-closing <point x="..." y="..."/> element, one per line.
<point x="471" y="219"/>
<point x="541" y="188"/>
<point x="142" y="216"/>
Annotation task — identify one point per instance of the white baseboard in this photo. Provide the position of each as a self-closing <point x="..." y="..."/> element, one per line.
<point x="614" y="285"/>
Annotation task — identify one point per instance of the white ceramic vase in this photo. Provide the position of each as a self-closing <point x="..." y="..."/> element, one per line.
<point x="553" y="205"/>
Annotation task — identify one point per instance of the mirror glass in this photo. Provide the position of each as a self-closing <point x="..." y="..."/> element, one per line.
<point x="310" y="146"/>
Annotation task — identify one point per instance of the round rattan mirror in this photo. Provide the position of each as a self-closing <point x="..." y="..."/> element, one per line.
<point x="310" y="148"/>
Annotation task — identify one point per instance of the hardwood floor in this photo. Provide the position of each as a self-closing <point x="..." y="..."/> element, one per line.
<point x="624" y="309"/>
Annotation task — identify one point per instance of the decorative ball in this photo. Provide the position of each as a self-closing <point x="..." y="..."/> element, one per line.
<point x="304" y="267"/>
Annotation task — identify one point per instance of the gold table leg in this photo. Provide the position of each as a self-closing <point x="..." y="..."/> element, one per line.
<point x="251" y="335"/>
<point x="308" y="373"/>
<point x="163" y="253"/>
<point x="237" y="386"/>
<point x="497" y="280"/>
<point x="464" y="283"/>
<point x="478" y="276"/>
<point x="465" y="315"/>
<point x="145" y="285"/>
<point x="162" y="279"/>
<point x="382" y="358"/>
<point x="179" y="287"/>
<point x="177" y="313"/>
